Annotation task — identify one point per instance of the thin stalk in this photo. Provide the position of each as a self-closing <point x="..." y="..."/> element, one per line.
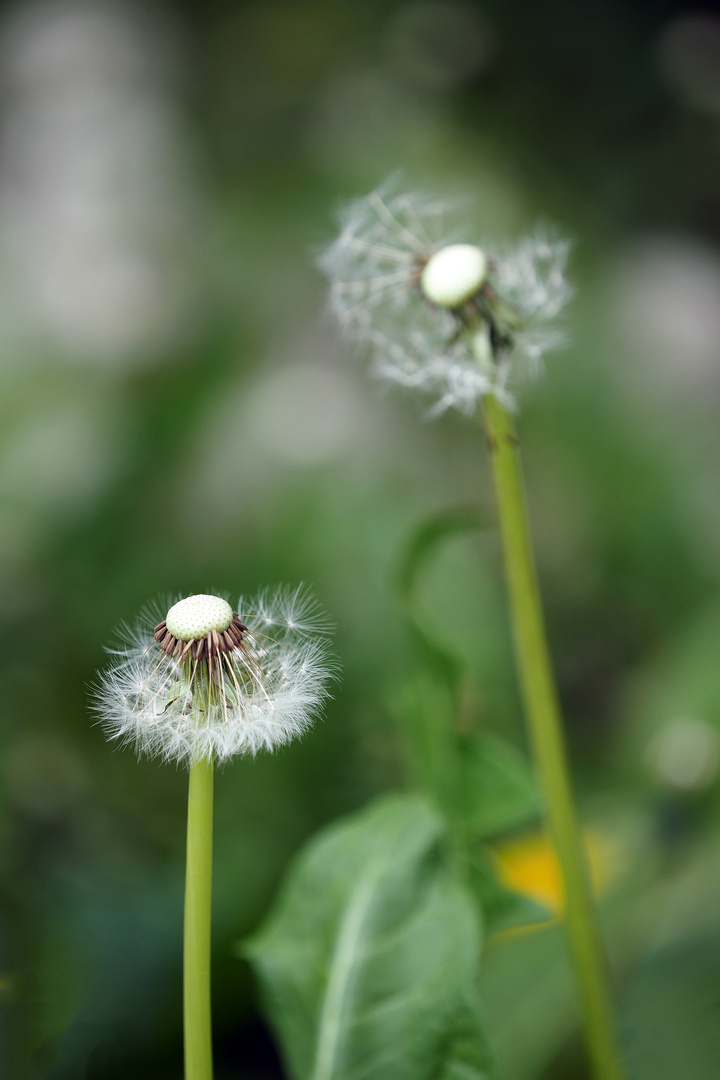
<point x="544" y="718"/>
<point x="198" y="894"/>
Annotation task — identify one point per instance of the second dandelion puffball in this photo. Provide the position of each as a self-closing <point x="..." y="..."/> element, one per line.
<point x="454" y="274"/>
<point x="195" y="616"/>
<point x="438" y="310"/>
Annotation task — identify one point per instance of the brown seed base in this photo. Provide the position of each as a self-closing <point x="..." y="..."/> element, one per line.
<point x="216" y="643"/>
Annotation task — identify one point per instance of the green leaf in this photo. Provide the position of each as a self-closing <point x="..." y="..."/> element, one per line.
<point x="425" y="712"/>
<point x="370" y="958"/>
<point x="499" y="786"/>
<point x="422" y="546"/>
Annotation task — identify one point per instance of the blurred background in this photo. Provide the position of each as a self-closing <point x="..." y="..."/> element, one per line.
<point x="178" y="415"/>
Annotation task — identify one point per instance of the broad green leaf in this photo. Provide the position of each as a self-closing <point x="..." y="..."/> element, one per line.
<point x="499" y="786"/>
<point x="483" y="785"/>
<point x="370" y="959"/>
<point x="423" y="544"/>
<point x="425" y="711"/>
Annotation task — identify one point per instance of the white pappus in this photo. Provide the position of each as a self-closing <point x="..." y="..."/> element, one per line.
<point x="440" y="313"/>
<point x="206" y="681"/>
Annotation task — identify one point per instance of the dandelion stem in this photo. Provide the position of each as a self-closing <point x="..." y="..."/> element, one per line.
<point x="198" y="891"/>
<point x="544" y="719"/>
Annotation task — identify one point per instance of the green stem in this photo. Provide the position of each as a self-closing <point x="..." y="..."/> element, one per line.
<point x="544" y="718"/>
<point x="198" y="893"/>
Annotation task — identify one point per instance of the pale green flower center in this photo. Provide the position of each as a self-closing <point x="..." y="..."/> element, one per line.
<point x="454" y="274"/>
<point x="196" y="616"/>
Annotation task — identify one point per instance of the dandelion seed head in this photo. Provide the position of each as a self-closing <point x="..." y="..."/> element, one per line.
<point x="439" y="311"/>
<point x="197" y="616"/>
<point x="207" y="682"/>
<point x="454" y="274"/>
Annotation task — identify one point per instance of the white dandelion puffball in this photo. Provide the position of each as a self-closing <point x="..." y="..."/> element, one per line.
<point x="206" y="682"/>
<point x="454" y="320"/>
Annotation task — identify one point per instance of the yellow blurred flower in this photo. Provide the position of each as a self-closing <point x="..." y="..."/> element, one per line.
<point x="529" y="866"/>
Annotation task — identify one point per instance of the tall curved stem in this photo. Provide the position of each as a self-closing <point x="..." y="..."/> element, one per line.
<point x="544" y="719"/>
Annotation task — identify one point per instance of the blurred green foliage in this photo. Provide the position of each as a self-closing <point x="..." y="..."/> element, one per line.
<point x="176" y="416"/>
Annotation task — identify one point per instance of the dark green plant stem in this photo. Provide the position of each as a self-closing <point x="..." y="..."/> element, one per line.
<point x="198" y="896"/>
<point x="544" y="718"/>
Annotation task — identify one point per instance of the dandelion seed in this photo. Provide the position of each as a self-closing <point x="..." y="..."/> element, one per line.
<point x="206" y="682"/>
<point x="452" y="319"/>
